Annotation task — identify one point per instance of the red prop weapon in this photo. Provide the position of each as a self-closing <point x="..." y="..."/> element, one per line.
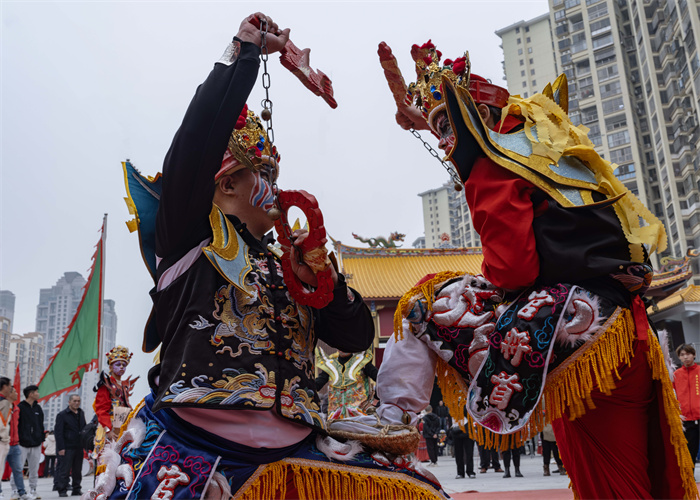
<point x="297" y="61"/>
<point x="393" y="75"/>
<point x="314" y="243"/>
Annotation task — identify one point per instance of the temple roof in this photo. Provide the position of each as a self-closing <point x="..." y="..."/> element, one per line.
<point x="388" y="273"/>
<point x="689" y="294"/>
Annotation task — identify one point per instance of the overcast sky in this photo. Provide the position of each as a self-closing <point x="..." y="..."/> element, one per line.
<point x="85" y="85"/>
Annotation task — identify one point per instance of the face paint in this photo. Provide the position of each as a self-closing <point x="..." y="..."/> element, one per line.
<point x="118" y="368"/>
<point x="262" y="195"/>
<point x="444" y="131"/>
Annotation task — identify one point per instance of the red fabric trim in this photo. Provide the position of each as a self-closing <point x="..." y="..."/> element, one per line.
<point x="508" y="124"/>
<point x="622" y="447"/>
<point x="103" y="407"/>
<point x="502" y="213"/>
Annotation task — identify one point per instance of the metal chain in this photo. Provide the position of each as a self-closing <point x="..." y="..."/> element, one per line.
<point x="266" y="103"/>
<point x="450" y="170"/>
<point x="266" y="114"/>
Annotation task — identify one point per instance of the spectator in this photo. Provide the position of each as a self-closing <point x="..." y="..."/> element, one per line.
<point x="464" y="450"/>
<point x="31" y="434"/>
<point x="69" y="423"/>
<point x="686" y="382"/>
<point x="431" y="427"/>
<point x="549" y="447"/>
<point x="515" y="454"/>
<point x="10" y="450"/>
<point x="487" y="455"/>
<point x="50" y="454"/>
<point x="444" y="414"/>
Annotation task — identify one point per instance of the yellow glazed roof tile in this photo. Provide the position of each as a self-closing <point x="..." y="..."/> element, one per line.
<point x="689" y="294"/>
<point x="391" y="273"/>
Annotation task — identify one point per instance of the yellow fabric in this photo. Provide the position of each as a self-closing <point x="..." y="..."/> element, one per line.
<point x="328" y="481"/>
<point x="557" y="136"/>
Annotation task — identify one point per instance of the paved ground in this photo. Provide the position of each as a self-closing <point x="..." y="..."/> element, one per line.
<point x="556" y="486"/>
<point x="488" y="486"/>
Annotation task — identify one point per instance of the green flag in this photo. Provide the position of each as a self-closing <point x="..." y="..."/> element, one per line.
<point x="78" y="351"/>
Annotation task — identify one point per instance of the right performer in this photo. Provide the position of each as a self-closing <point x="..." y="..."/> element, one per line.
<point x="567" y="245"/>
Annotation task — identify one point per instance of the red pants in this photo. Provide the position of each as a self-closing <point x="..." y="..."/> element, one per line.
<point x="621" y="449"/>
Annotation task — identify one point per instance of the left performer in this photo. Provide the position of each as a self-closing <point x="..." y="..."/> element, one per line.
<point x="233" y="409"/>
<point x="112" y="399"/>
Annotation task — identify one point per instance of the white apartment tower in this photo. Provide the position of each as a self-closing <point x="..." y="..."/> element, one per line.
<point x="446" y="218"/>
<point x="524" y="42"/>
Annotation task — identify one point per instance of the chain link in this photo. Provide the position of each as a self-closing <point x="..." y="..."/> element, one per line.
<point x="267" y="105"/>
<point x="450" y="170"/>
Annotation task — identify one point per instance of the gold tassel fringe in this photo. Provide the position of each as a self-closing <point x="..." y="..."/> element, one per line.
<point x="570" y="389"/>
<point x="315" y="482"/>
<point x="427" y="289"/>
<point x="672" y="412"/>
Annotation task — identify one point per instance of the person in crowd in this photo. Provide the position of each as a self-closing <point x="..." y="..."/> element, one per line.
<point x="549" y="448"/>
<point x="31" y="434"/>
<point x="488" y="458"/>
<point x="9" y="439"/>
<point x="444" y="415"/>
<point x="464" y="450"/>
<point x="431" y="428"/>
<point x="513" y="453"/>
<point x="50" y="454"/>
<point x="686" y="383"/>
<point x="69" y="423"/>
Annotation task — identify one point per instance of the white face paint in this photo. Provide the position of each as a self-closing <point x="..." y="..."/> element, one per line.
<point x="262" y="195"/>
<point x="444" y="131"/>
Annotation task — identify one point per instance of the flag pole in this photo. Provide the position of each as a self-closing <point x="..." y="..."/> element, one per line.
<point x="100" y="343"/>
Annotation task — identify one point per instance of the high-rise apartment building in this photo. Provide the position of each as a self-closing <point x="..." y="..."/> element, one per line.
<point x="526" y="71"/>
<point x="7" y="306"/>
<point x="57" y="306"/>
<point x="446" y="218"/>
<point x="28" y="351"/>
<point x="5" y="333"/>
<point x="632" y="67"/>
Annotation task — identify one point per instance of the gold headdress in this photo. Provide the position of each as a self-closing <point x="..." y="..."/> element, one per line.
<point x="248" y="145"/>
<point x="118" y="353"/>
<point x="427" y="92"/>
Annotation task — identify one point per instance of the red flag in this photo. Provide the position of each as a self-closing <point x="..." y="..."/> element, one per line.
<point x="17" y="384"/>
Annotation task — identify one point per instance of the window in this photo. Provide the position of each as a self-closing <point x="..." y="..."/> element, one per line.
<point x="618" y="139"/>
<point x="522" y="73"/>
<point x="520" y="52"/>
<point x="597" y="11"/>
<point x="616" y="122"/>
<point x="559" y="15"/>
<point x="625" y="172"/>
<point x="522" y="63"/>
<point x="534" y="83"/>
<point x="517" y="30"/>
<point x="602" y="41"/>
<point x="529" y="50"/>
<point x="600" y="25"/>
<point x="613" y="105"/>
<point x="610" y="89"/>
<point x="527" y="30"/>
<point x="620" y="156"/>
<point x="524" y="84"/>
<point x="519" y="41"/>
<point x="607" y="73"/>
<point x="605" y="56"/>
<point x="589" y="114"/>
<point x="532" y="61"/>
<point x="524" y="94"/>
<point x="532" y="72"/>
<point x="528" y="39"/>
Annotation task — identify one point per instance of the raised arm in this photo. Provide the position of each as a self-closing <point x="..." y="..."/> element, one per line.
<point x="198" y="147"/>
<point x="346" y="322"/>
